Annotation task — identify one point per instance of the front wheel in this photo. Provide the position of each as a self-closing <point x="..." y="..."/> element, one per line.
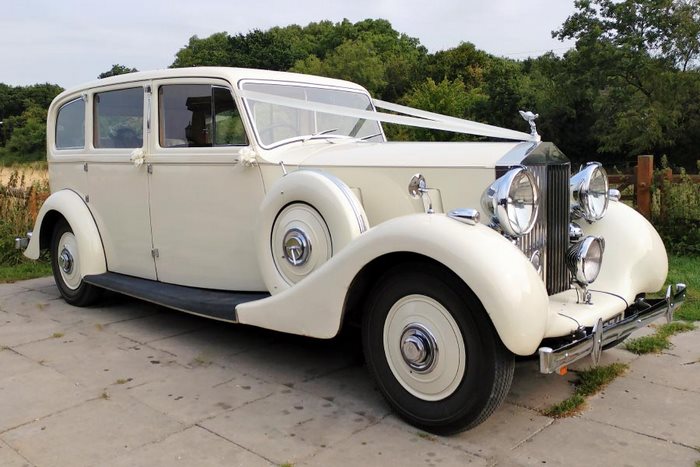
<point x="65" y="264"/>
<point x="433" y="350"/>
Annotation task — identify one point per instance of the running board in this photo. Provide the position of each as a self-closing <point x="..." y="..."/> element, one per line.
<point x="217" y="304"/>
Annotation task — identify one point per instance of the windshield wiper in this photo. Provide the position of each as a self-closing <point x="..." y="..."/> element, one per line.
<point x="365" y="138"/>
<point x="320" y="133"/>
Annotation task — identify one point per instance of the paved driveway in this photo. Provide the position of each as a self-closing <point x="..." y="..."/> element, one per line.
<point x="129" y="383"/>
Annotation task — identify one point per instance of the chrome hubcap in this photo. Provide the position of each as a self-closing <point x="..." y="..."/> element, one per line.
<point x="65" y="261"/>
<point x="418" y="348"/>
<point x="296" y="247"/>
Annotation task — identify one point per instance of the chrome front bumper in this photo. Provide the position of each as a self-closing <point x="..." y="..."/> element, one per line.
<point x="551" y="360"/>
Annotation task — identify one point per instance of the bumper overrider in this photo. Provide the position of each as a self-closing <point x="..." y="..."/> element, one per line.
<point x="637" y="316"/>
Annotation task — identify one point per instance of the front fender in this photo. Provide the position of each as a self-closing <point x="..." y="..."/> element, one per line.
<point x="635" y="258"/>
<point x="71" y="206"/>
<point x="502" y="278"/>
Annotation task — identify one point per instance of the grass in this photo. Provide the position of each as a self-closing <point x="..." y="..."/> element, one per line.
<point x="686" y="269"/>
<point x="589" y="382"/>
<point x="24" y="270"/>
<point x="658" y="341"/>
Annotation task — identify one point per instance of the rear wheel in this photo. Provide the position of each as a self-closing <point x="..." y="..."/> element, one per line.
<point x="65" y="263"/>
<point x="433" y="351"/>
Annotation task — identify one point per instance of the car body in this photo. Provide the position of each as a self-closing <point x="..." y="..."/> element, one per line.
<point x="273" y="199"/>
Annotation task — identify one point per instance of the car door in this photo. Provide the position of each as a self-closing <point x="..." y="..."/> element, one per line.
<point x="204" y="203"/>
<point x="118" y="191"/>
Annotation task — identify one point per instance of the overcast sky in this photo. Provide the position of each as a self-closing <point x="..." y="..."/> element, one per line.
<point x="69" y="42"/>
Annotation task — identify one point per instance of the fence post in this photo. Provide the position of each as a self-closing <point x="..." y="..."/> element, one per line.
<point x="645" y="173"/>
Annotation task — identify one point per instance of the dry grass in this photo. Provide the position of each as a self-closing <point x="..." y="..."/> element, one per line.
<point x="23" y="189"/>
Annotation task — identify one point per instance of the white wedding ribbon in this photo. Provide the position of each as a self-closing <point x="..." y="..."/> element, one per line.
<point x="418" y="118"/>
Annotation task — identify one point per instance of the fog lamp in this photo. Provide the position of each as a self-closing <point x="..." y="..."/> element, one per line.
<point x="585" y="258"/>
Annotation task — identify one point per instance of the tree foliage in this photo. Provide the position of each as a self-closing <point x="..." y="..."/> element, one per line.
<point x="116" y="70"/>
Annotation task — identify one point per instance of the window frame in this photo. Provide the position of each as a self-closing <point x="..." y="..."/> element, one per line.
<point x="82" y="98"/>
<point x="94" y="121"/>
<point x="213" y="148"/>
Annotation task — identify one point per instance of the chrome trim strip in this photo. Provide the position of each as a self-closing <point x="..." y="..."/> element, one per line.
<point x="467" y="216"/>
<point x="551" y="360"/>
<point x="357" y="208"/>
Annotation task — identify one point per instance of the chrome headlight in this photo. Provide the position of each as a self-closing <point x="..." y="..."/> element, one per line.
<point x="585" y="258"/>
<point x="513" y="201"/>
<point x="589" y="192"/>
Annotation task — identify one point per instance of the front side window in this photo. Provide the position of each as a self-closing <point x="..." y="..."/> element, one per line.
<point x="70" y="125"/>
<point x="198" y="115"/>
<point x="118" y="121"/>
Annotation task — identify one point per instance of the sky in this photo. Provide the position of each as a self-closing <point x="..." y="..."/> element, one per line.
<point x="69" y="42"/>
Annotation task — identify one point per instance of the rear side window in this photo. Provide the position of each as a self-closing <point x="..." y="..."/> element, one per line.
<point x="198" y="115"/>
<point x="70" y="125"/>
<point x="118" y="121"/>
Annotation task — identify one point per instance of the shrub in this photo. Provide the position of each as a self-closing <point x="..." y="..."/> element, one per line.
<point x="676" y="212"/>
<point x="20" y="200"/>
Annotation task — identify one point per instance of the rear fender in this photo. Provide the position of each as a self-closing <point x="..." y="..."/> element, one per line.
<point x="70" y="206"/>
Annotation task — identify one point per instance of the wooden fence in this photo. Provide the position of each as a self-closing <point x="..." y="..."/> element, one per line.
<point x="642" y="179"/>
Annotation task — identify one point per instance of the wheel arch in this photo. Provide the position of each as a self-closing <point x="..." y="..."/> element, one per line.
<point x="362" y="283"/>
<point x="69" y="206"/>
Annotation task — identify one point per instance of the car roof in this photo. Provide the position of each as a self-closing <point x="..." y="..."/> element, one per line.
<point x="233" y="75"/>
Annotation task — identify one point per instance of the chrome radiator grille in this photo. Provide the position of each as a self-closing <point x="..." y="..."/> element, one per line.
<point x="550" y="236"/>
<point x="557" y="206"/>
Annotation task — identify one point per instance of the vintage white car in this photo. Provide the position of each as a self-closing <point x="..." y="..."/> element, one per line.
<point x="274" y="200"/>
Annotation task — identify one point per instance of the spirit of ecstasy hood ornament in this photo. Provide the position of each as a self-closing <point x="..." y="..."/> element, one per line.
<point x="530" y="117"/>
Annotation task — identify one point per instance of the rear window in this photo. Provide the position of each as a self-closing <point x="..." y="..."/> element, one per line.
<point x="70" y="125"/>
<point x="118" y="121"/>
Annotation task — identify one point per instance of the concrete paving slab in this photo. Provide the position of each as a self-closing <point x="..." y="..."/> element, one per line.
<point x="11" y="289"/>
<point x="288" y="426"/>
<point x="10" y="458"/>
<point x="191" y="395"/>
<point x="576" y="442"/>
<point x="91" y="433"/>
<point x="385" y="444"/>
<point x="680" y="372"/>
<point x="654" y="410"/>
<point x="218" y="344"/>
<point x="24" y="326"/>
<point x="97" y="359"/>
<point x="352" y="388"/>
<point x="533" y="390"/>
<point x="194" y="446"/>
<point x="158" y="326"/>
<point x="508" y="427"/>
<point x="35" y="394"/>
<point x="13" y="363"/>
<point x="290" y="359"/>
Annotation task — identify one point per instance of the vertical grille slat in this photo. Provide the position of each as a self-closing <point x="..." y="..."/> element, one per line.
<point x="557" y="276"/>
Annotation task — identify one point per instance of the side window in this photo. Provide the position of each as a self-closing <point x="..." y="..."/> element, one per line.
<point x="228" y="126"/>
<point x="198" y="115"/>
<point x="118" y="121"/>
<point x="70" y="125"/>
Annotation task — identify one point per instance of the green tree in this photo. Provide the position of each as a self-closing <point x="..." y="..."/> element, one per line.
<point x="28" y="140"/>
<point x="215" y="50"/>
<point x="445" y="97"/>
<point x="116" y="70"/>
<point x="638" y="58"/>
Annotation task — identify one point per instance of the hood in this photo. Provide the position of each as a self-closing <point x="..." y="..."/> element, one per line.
<point x="400" y="154"/>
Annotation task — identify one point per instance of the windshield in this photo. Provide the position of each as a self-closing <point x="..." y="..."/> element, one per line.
<point x="277" y="124"/>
